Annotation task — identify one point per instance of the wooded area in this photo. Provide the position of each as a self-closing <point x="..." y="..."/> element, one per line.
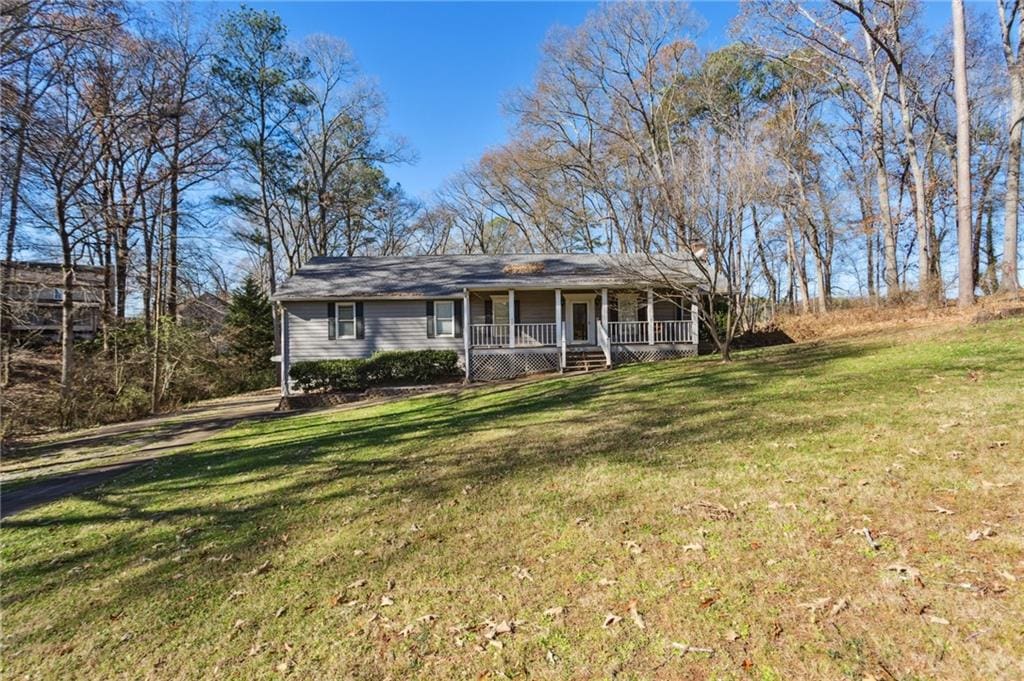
<point x="832" y="150"/>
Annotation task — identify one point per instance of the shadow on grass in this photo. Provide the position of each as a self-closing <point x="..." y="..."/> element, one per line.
<point x="426" y="449"/>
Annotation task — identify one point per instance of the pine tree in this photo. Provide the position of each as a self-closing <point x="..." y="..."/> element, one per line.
<point x="250" y="327"/>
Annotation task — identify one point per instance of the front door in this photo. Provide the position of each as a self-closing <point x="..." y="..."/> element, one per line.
<point x="580" y="322"/>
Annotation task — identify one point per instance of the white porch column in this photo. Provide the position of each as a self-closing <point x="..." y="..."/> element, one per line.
<point x="466" y="330"/>
<point x="650" y="316"/>
<point x="695" y="322"/>
<point x="285" y="353"/>
<point x="511" y="318"/>
<point x="604" y="322"/>
<point x="559" y="330"/>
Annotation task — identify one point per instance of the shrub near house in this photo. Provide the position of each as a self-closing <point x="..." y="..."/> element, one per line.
<point x="412" y="367"/>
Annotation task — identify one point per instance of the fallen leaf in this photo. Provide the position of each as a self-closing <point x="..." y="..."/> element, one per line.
<point x="904" y="571"/>
<point x="610" y="620"/>
<point x="937" y="620"/>
<point x="693" y="547"/>
<point x="555" y="611"/>
<point x="633" y="547"/>
<point x="604" y="581"/>
<point x="684" y="648"/>
<point x="259" y="570"/>
<point x="840" y="605"/>
<point x="386" y="601"/>
<point x="940" y="510"/>
<point x="817" y="604"/>
<point x="637" y="618"/>
<point x="280" y="611"/>
<point x="732" y="635"/>
<point x="427" y="618"/>
<point x="358" y="584"/>
<point x="979" y="534"/>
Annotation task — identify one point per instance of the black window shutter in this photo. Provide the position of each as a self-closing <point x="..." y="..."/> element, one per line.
<point x="332" y="326"/>
<point x="488" y="311"/>
<point x="458" y="319"/>
<point x="641" y="313"/>
<point x="360" y="329"/>
<point x="519" y="316"/>
<point x="430" y="319"/>
<point x="613" y="310"/>
<point x="679" y="308"/>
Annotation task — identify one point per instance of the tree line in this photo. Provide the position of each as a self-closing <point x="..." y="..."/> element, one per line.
<point x="845" y="148"/>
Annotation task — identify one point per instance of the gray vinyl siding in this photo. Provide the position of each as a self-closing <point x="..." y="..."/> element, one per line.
<point x="535" y="307"/>
<point x="388" y="325"/>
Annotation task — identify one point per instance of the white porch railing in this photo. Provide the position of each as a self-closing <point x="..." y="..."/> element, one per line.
<point x="532" y="335"/>
<point x="527" y="335"/>
<point x="676" y="331"/>
<point x="627" y="332"/>
<point x="546" y="334"/>
<point x="488" y="335"/>
<point x="671" y="331"/>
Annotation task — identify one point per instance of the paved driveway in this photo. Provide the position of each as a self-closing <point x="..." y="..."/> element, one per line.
<point x="40" y="472"/>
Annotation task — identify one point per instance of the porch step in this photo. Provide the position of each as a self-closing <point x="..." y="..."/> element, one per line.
<point x="584" y="360"/>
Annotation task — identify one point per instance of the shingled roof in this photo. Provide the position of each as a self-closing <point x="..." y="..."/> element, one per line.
<point x="435" y="276"/>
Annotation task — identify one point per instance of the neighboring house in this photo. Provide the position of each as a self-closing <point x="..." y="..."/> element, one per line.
<point x="35" y="294"/>
<point x="505" y="315"/>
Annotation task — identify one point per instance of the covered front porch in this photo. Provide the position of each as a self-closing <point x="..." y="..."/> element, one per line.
<point x="517" y="331"/>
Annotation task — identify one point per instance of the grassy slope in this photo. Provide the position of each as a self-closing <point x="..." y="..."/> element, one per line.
<point x="245" y="558"/>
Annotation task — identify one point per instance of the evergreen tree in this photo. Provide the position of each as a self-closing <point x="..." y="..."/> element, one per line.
<point x="250" y="326"/>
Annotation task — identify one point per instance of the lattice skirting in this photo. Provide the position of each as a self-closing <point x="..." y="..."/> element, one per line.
<point x="632" y="354"/>
<point x="496" y="366"/>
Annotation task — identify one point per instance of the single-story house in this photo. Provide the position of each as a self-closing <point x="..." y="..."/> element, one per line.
<point x="505" y="315"/>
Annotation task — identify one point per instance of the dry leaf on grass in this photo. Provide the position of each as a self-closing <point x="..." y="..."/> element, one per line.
<point x="684" y="648"/>
<point x="940" y="510"/>
<point x="610" y="620"/>
<point x="904" y="571"/>
<point x="693" y="547"/>
<point x="259" y="570"/>
<point x="604" y="581"/>
<point x="637" y="618"/>
<point x="981" y="533"/>
<point x="555" y="611"/>
<point x="386" y="601"/>
<point x="633" y="547"/>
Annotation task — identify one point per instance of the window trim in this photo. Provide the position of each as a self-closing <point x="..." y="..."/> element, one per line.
<point x="338" y="320"/>
<point x="500" y="298"/>
<point x="438" y="318"/>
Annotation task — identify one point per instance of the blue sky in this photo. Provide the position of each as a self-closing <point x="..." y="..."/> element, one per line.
<point x="446" y="67"/>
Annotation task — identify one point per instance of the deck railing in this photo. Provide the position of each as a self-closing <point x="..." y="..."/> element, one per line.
<point x="546" y="334"/>
<point x="675" y="331"/>
<point x="532" y="335"/>
<point x="627" y="332"/>
<point x="527" y="335"/>
<point x="671" y="331"/>
<point x="488" y="335"/>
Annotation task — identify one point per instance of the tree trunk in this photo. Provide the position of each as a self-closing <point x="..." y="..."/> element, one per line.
<point x="1011" y="209"/>
<point x="963" y="157"/>
<point x="172" y="227"/>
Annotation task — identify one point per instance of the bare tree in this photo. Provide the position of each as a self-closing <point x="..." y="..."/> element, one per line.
<point x="963" y="159"/>
<point x="1011" y="14"/>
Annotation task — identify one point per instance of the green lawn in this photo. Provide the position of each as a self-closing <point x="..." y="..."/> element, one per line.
<point x="718" y="510"/>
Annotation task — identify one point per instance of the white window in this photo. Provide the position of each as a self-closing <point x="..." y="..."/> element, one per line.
<point x="444" y="318"/>
<point x="499" y="310"/>
<point x="346" y="320"/>
<point x="627" y="307"/>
